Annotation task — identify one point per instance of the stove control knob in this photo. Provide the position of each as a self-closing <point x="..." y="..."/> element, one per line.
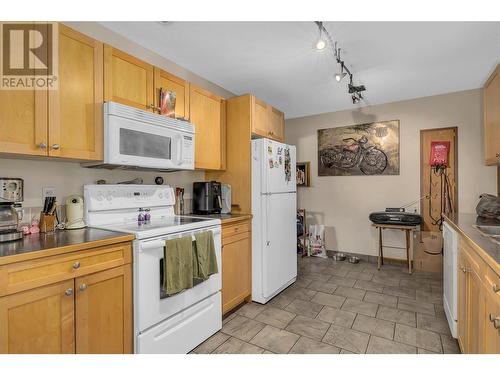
<point x="109" y="197"/>
<point x="99" y="197"/>
<point x="160" y="195"/>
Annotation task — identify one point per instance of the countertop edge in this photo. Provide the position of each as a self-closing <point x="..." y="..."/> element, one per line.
<point x="9" y="259"/>
<point x="483" y="254"/>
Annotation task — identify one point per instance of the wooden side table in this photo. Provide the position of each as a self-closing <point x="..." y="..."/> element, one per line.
<point x="405" y="228"/>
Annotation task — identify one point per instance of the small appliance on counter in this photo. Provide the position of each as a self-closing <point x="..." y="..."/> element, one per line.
<point x="226" y="199"/>
<point x="74" y="212"/>
<point x="11" y="196"/>
<point x="207" y="198"/>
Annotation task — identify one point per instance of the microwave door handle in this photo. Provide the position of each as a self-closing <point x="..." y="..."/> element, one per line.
<point x="179" y="151"/>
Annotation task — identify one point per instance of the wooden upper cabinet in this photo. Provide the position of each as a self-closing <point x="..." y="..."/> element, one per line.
<point x="170" y="82"/>
<point x="267" y="121"/>
<point x="277" y="124"/>
<point x="39" y="321"/>
<point x="491" y="101"/>
<point x="23" y="121"/>
<point x="127" y="80"/>
<point x="104" y="312"/>
<point x="75" y="109"/>
<point x="208" y="114"/>
<point x="260" y="117"/>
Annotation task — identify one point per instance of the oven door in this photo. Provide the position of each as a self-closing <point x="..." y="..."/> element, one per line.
<point x="151" y="305"/>
<point x="130" y="142"/>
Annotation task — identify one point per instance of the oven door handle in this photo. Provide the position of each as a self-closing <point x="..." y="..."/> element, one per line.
<point x="161" y="243"/>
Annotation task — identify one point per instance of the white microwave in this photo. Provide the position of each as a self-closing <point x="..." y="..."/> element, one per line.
<point x="137" y="139"/>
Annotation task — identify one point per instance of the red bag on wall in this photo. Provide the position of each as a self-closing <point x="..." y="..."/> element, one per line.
<point x="439" y="153"/>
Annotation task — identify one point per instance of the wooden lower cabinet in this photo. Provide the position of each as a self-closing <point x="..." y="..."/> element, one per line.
<point x="38" y="321"/>
<point x="103" y="312"/>
<point x="478" y="305"/>
<point x="236" y="265"/>
<point x="88" y="313"/>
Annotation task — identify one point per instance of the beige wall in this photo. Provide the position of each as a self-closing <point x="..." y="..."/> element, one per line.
<point x="343" y="203"/>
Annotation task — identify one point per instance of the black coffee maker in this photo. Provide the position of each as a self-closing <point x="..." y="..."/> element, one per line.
<point x="207" y="198"/>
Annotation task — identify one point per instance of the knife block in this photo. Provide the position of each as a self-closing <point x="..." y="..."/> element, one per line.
<point x="47" y="223"/>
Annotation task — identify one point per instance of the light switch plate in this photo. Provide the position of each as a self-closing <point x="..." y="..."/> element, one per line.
<point x="48" y="191"/>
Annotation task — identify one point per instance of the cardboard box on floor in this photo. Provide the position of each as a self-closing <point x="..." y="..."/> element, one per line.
<point x="428" y="251"/>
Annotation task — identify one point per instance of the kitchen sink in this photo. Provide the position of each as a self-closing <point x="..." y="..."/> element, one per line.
<point x="489" y="230"/>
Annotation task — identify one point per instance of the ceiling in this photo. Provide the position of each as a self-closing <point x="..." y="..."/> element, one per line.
<point x="276" y="61"/>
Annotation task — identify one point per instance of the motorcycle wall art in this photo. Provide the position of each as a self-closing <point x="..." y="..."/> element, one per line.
<point x="357" y="150"/>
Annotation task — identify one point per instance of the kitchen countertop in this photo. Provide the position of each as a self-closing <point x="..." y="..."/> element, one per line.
<point x="227" y="218"/>
<point x="59" y="242"/>
<point x="488" y="250"/>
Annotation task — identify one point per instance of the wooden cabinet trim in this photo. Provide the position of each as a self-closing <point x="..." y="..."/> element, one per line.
<point x="26" y="275"/>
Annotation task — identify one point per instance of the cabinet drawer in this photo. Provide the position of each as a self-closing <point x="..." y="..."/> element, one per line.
<point x="473" y="258"/>
<point x="492" y="282"/>
<point x="21" y="276"/>
<point x="233" y="229"/>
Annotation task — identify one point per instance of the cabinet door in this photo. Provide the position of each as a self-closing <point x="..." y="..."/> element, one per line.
<point x="127" y="80"/>
<point x="170" y="82"/>
<point x="462" y="302"/>
<point x="475" y="312"/>
<point x="23" y="121"/>
<point x="277" y="124"/>
<point x="75" y="109"/>
<point x="207" y="113"/>
<point x="492" y="118"/>
<point x="492" y="313"/>
<point x="104" y="312"/>
<point x="39" y="321"/>
<point x="260" y="118"/>
<point x="236" y="271"/>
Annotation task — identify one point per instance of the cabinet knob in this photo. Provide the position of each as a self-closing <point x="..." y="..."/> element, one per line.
<point x="154" y="108"/>
<point x="42" y="145"/>
<point x="68" y="291"/>
<point x="462" y="268"/>
<point x="268" y="243"/>
<point x="55" y="146"/>
<point x="495" y="288"/>
<point x="76" y="265"/>
<point x="83" y="287"/>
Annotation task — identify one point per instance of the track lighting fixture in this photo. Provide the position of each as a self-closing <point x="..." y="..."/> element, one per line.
<point x="325" y="39"/>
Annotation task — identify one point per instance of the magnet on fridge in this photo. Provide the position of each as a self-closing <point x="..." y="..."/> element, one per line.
<point x="276" y="164"/>
<point x="271" y="163"/>
<point x="280" y="159"/>
<point x="270" y="149"/>
<point x="280" y="150"/>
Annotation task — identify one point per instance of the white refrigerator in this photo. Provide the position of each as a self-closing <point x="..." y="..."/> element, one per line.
<point x="274" y="226"/>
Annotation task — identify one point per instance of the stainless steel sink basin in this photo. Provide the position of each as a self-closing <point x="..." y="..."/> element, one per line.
<point x="489" y="230"/>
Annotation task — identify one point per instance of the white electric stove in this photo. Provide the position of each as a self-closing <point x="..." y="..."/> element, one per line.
<point x="162" y="323"/>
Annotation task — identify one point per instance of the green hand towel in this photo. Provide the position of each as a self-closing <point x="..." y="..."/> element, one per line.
<point x="178" y="265"/>
<point x="205" y="262"/>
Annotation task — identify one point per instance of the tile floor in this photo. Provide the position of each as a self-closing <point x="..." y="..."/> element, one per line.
<point x="338" y="307"/>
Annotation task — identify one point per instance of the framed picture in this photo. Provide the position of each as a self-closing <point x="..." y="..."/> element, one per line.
<point x="359" y="150"/>
<point x="303" y="173"/>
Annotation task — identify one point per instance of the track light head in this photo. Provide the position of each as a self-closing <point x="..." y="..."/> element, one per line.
<point x="340" y="76"/>
<point x="320" y="44"/>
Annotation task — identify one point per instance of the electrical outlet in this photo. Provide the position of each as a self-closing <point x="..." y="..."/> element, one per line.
<point x="48" y="191"/>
